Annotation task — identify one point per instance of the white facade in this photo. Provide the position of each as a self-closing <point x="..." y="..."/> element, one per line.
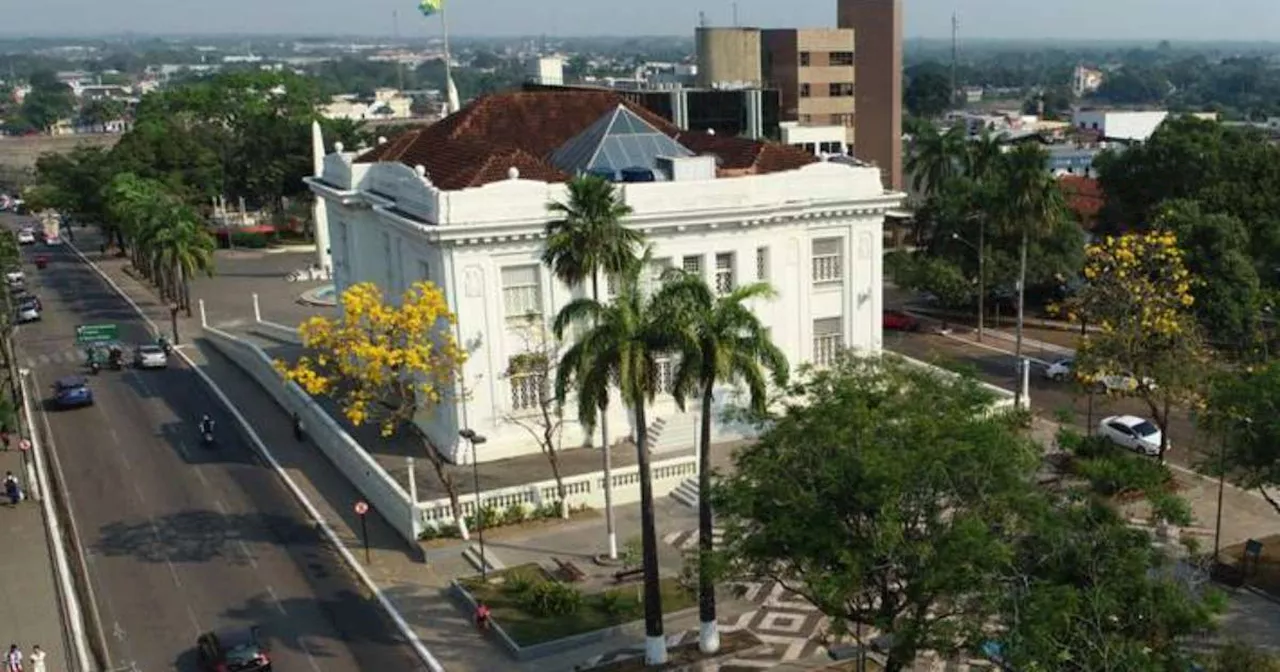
<point x="547" y="70"/>
<point x="817" y="140"/>
<point x="814" y="233"/>
<point x="1120" y="125"/>
<point x="386" y="104"/>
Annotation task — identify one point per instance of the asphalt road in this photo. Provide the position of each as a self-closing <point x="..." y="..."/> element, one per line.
<point x="183" y="539"/>
<point x="1048" y="398"/>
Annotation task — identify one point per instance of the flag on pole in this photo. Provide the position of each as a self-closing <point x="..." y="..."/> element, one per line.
<point x="430" y="7"/>
<point x="453" y="101"/>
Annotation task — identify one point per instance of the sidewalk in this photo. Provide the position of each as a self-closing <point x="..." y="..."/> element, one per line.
<point x="30" y="607"/>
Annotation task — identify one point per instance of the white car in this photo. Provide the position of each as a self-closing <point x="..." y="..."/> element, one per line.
<point x="1059" y="370"/>
<point x="150" y="357"/>
<point x="28" y="311"/>
<point x="14" y="278"/>
<point x="1137" y="434"/>
<point x="26" y="237"/>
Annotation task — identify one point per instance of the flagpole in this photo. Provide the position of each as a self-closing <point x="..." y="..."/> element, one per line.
<point x="448" y="60"/>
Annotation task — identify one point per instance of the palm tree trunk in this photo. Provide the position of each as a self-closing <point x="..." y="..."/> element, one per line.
<point x="708" y="634"/>
<point x="655" y="644"/>
<point x="608" y="456"/>
<point x="1017" y="343"/>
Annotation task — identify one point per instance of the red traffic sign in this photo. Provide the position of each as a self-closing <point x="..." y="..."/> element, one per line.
<point x="361" y="508"/>
<point x="24" y="445"/>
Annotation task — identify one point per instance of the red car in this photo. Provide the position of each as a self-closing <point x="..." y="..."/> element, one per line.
<point x="896" y="320"/>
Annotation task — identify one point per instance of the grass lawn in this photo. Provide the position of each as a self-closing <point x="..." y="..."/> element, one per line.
<point x="1267" y="575"/>
<point x="599" y="610"/>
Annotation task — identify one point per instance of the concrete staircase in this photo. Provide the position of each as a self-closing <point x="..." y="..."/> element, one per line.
<point x="673" y="433"/>
<point x="687" y="493"/>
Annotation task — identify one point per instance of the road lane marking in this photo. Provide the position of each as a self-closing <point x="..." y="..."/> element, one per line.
<point x="248" y="556"/>
<point x="186" y="457"/>
<point x="307" y="650"/>
<point x="276" y="598"/>
<point x="115" y="438"/>
<point x="194" y="621"/>
<point x="141" y="498"/>
<point x="173" y="571"/>
<point x="222" y="508"/>
<point x="141" y="383"/>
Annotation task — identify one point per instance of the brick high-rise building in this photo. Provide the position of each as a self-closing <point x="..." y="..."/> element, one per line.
<point x="877" y="25"/>
<point x="813" y="69"/>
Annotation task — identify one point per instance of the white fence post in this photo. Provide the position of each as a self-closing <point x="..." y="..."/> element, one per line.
<point x="204" y="317"/>
<point x="257" y="309"/>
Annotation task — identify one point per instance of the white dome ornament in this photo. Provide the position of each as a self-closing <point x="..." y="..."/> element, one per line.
<point x="338" y="147"/>
<point x="513" y="173"/>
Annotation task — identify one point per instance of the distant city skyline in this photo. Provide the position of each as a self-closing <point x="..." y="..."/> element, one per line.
<point x="1187" y="20"/>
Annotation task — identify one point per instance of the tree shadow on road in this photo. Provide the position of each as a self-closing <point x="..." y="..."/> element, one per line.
<point x="201" y="536"/>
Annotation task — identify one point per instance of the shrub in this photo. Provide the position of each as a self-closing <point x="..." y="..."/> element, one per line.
<point x="1169" y="507"/>
<point x="616" y="603"/>
<point x="551" y="598"/>
<point x="546" y="510"/>
<point x="250" y="239"/>
<point x="632" y="553"/>
<point x="518" y="583"/>
<point x="514" y="514"/>
<point x="490" y="517"/>
<point x="1118" y="472"/>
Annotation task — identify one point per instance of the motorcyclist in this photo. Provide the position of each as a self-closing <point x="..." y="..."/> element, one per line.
<point x="162" y="342"/>
<point x="206" y="425"/>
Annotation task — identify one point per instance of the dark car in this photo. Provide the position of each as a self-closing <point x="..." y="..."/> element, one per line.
<point x="896" y="320"/>
<point x="72" y="392"/>
<point x="240" y="650"/>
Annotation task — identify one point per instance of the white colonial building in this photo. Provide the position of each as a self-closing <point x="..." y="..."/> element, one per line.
<point x="463" y="203"/>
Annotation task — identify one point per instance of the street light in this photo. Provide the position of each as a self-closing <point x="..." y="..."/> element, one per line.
<point x="476" y="440"/>
<point x="982" y="275"/>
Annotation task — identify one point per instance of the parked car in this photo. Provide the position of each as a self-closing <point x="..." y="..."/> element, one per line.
<point x="28" y="309"/>
<point x="239" y="650"/>
<point x="896" y="320"/>
<point x="72" y="392"/>
<point x="150" y="356"/>
<point x="15" y="279"/>
<point x="1060" y="370"/>
<point x="26" y="237"/>
<point x="1132" y="432"/>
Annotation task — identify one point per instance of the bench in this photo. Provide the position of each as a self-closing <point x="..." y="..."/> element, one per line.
<point x="628" y="574"/>
<point x="569" y="571"/>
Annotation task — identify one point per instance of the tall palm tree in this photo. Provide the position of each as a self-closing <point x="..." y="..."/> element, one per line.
<point x="725" y="343"/>
<point x="182" y="249"/>
<point x="622" y="342"/>
<point x="935" y="157"/>
<point x="587" y="238"/>
<point x="1029" y="205"/>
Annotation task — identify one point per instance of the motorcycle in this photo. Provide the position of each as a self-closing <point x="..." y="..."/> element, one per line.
<point x="95" y="367"/>
<point x="207" y="438"/>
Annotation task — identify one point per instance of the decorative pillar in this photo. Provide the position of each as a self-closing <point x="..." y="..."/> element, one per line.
<point x="319" y="214"/>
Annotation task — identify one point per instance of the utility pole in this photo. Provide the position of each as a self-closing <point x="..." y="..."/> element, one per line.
<point x="735" y="15"/>
<point x="955" y="54"/>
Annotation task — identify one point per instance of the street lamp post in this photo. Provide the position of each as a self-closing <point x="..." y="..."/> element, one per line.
<point x="982" y="274"/>
<point x="1222" y="482"/>
<point x="476" y="440"/>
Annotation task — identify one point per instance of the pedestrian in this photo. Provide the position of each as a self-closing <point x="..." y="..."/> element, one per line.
<point x="11" y="488"/>
<point x="13" y="659"/>
<point x="297" y="428"/>
<point x="37" y="659"/>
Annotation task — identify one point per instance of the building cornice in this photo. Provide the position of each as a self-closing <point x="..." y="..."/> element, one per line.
<point x="344" y="196"/>
<point x="660" y="223"/>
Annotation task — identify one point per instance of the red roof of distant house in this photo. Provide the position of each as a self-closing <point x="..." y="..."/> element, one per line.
<point x="1084" y="197"/>
<point x="482" y="141"/>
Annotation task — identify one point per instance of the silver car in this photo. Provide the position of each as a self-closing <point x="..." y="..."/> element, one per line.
<point x="150" y="357"/>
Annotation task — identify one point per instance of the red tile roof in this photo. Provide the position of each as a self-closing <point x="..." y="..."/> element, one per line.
<point x="1084" y="197"/>
<point x="482" y="141"/>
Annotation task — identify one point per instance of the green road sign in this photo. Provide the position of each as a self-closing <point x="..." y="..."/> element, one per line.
<point x="97" y="333"/>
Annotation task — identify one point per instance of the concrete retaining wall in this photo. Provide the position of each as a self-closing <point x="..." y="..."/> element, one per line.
<point x="382" y="492"/>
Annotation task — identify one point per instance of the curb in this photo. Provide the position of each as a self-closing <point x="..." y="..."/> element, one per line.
<point x="407" y="632"/>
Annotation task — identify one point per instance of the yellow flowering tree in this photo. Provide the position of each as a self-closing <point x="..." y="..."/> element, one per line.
<point x="1139" y="294"/>
<point x="384" y="363"/>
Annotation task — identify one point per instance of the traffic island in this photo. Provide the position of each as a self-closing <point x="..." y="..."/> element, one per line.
<point x="536" y="613"/>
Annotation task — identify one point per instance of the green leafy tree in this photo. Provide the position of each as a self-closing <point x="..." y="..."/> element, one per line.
<point x="1086" y="593"/>
<point x="587" y="238"/>
<point x="101" y="111"/>
<point x="881" y="495"/>
<point x="1240" y="411"/>
<point x="725" y="343"/>
<point x="928" y="92"/>
<point x="621" y="341"/>
<point x="935" y="158"/>
<point x="183" y="248"/>
<point x="47" y="104"/>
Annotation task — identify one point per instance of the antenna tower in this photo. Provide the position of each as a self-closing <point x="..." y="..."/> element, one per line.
<point x="702" y="19"/>
<point x="955" y="54"/>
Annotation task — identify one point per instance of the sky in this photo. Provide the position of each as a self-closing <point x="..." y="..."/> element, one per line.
<point x="1074" y="19"/>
